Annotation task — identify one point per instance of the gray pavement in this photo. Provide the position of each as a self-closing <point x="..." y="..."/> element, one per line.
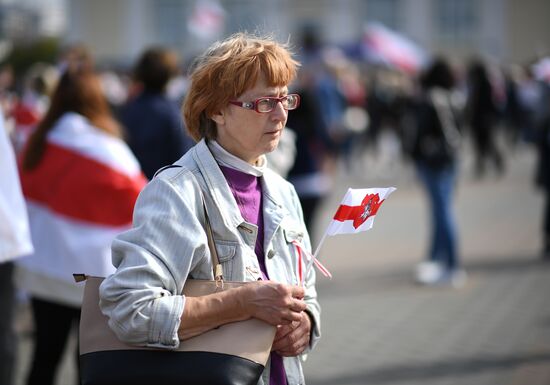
<point x="380" y="328"/>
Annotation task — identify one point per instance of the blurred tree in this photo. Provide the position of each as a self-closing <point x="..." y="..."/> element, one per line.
<point x="24" y="55"/>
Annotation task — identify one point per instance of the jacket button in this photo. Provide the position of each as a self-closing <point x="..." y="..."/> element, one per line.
<point x="270" y="254"/>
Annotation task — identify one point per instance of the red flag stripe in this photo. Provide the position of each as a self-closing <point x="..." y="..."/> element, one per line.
<point x="83" y="180"/>
<point x="349" y="213"/>
<point x="346" y="213"/>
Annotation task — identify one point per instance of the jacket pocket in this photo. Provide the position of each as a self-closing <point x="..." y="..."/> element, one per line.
<point x="226" y="255"/>
<point x="289" y="255"/>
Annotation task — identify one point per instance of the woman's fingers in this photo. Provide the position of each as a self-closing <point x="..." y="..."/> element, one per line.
<point x="297" y="292"/>
<point x="276" y="303"/>
<point x="293" y="339"/>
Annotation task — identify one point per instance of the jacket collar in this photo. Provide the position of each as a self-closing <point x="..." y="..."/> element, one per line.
<point x="224" y="203"/>
<point x="216" y="186"/>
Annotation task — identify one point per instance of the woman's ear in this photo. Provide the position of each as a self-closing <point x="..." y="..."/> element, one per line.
<point x="218" y="117"/>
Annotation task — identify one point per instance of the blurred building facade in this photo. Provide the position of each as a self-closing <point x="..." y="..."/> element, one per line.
<point x="24" y="20"/>
<point x="18" y="23"/>
<point x="118" y="30"/>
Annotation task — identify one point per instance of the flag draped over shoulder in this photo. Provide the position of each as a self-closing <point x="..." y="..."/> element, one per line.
<point x="357" y="211"/>
<point x="79" y="197"/>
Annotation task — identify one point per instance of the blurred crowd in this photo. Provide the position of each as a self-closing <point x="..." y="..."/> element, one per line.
<point x="346" y="104"/>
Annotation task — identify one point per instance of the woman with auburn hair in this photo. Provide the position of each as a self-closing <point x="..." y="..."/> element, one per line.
<point x="80" y="182"/>
<point x="236" y="109"/>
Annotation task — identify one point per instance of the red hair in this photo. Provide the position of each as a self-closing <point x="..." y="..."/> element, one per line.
<point x="228" y="69"/>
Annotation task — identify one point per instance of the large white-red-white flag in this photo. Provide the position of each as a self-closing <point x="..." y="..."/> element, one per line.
<point x="79" y="198"/>
<point x="207" y="20"/>
<point x="383" y="45"/>
<point x="358" y="209"/>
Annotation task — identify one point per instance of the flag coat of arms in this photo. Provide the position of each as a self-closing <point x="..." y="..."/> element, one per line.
<point x="357" y="210"/>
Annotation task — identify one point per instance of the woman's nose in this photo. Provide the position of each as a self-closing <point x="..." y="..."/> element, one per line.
<point x="279" y="113"/>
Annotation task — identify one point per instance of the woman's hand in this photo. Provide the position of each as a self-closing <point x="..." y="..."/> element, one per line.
<point x="274" y="303"/>
<point x="292" y="339"/>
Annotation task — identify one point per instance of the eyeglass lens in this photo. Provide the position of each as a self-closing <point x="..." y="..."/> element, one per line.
<point x="289" y="102"/>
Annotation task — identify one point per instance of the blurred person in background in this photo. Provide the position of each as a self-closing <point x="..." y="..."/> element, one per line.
<point x="531" y="95"/>
<point x="482" y="114"/>
<point x="543" y="181"/>
<point x="332" y="101"/>
<point x="543" y="165"/>
<point x="15" y="241"/>
<point x="115" y="86"/>
<point x="512" y="114"/>
<point x="154" y="127"/>
<point x="435" y="153"/>
<point x="80" y="181"/>
<point x="314" y="146"/>
<point x="39" y="83"/>
<point x="75" y="54"/>
<point x="7" y="94"/>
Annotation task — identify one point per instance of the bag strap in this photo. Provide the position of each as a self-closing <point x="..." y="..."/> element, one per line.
<point x="217" y="267"/>
<point x="444" y="109"/>
<point x="218" y="272"/>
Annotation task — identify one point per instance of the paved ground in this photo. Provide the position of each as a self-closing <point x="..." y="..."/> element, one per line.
<point x="380" y="328"/>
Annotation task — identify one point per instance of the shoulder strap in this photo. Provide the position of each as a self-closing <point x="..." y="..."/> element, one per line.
<point x="218" y="273"/>
<point x="444" y="110"/>
<point x="165" y="168"/>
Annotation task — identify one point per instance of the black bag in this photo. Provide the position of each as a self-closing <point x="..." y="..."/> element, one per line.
<point x="232" y="354"/>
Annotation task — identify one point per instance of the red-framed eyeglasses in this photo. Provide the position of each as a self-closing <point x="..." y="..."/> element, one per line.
<point x="268" y="103"/>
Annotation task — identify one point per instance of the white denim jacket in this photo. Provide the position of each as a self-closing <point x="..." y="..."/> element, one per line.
<point x="168" y="243"/>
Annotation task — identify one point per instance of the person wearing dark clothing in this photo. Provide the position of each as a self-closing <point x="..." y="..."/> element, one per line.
<point x="153" y="123"/>
<point x="482" y="117"/>
<point x="435" y="155"/>
<point x="543" y="181"/>
<point x="312" y="144"/>
<point x="543" y="177"/>
<point x="513" y="111"/>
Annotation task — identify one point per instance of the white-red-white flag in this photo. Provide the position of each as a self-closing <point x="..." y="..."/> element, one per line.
<point x="74" y="218"/>
<point x="207" y="20"/>
<point x="383" y="45"/>
<point x="358" y="210"/>
<point x="356" y="213"/>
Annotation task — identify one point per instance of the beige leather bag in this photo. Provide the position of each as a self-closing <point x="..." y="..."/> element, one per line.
<point x="240" y="348"/>
<point x="251" y="339"/>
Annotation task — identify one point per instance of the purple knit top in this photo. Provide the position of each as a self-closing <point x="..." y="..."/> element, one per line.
<point x="247" y="191"/>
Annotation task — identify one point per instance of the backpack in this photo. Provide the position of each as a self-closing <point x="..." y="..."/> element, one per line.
<point x="438" y="137"/>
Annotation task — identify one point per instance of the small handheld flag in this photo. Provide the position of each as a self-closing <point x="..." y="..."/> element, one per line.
<point x="356" y="213"/>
